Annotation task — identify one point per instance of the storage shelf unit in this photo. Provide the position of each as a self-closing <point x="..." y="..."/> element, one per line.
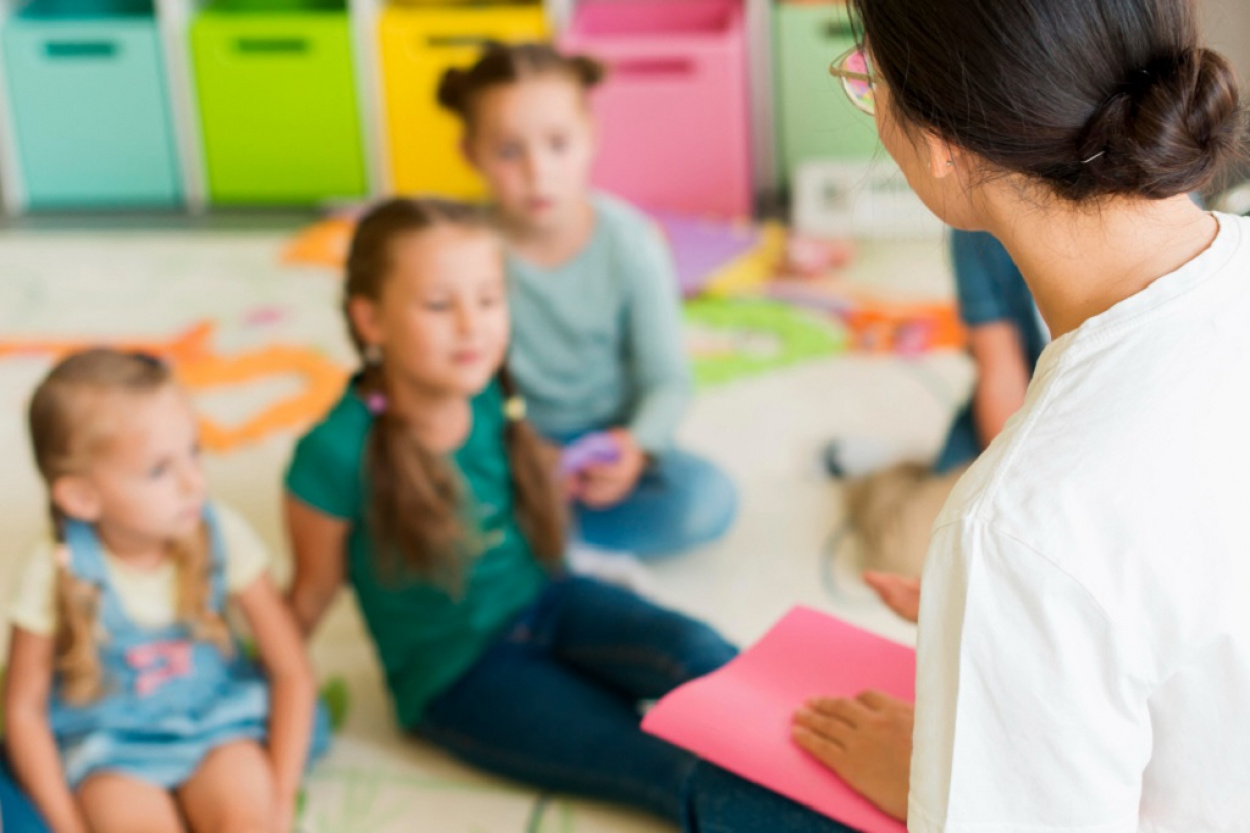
<point x="174" y="21"/>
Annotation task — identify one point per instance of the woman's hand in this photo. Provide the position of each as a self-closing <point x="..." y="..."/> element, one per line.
<point x="607" y="484"/>
<point x="901" y="594"/>
<point x="866" y="741"/>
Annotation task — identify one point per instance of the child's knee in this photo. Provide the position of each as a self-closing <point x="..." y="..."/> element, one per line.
<point x="702" y="649"/>
<point x="244" y="816"/>
<point x="712" y="505"/>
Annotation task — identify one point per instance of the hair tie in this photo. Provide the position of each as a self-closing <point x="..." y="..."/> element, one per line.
<point x="376" y="402"/>
<point x="514" y="408"/>
<point x="149" y="359"/>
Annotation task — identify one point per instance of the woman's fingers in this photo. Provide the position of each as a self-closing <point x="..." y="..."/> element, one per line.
<point x="831" y="728"/>
<point x="889" y="584"/>
<point x="900" y="594"/>
<point x="877" y="701"/>
<point x="831" y="717"/>
<point x="828" y="752"/>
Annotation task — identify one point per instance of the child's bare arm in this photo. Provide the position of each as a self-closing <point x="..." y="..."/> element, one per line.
<point x="319" y="545"/>
<point x="29" y="743"/>
<point x="292" y="688"/>
<point x="1002" y="376"/>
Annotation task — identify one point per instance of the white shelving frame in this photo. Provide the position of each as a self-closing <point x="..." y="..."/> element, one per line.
<point x="173" y="21"/>
<point x="12" y="186"/>
<point x="364" y="16"/>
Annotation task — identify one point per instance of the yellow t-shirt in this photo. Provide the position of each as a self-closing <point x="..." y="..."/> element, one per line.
<point x="149" y="597"/>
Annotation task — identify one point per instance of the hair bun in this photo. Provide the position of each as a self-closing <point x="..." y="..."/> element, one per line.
<point x="1167" y="130"/>
<point x="589" y="71"/>
<point x="451" y="89"/>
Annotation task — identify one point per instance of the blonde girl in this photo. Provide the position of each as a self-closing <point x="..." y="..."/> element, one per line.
<point x="128" y="705"/>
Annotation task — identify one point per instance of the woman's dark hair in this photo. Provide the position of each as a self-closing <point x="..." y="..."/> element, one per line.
<point x="502" y="64"/>
<point x="1092" y="97"/>
<point x="417" y="508"/>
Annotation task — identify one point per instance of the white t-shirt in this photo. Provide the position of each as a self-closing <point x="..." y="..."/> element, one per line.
<point x="1084" y="643"/>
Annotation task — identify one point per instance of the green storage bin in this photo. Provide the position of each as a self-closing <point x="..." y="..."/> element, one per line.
<point x="278" y="105"/>
<point x="815" y="120"/>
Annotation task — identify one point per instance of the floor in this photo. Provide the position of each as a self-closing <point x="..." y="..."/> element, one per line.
<point x="222" y="296"/>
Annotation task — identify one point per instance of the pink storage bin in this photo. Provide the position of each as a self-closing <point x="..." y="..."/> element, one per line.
<point x="673" y="113"/>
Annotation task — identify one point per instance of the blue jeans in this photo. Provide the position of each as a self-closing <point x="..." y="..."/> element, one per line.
<point x="963" y="445"/>
<point x="17" y="812"/>
<point x="720" y="802"/>
<point x="681" y="501"/>
<point x="554" y="702"/>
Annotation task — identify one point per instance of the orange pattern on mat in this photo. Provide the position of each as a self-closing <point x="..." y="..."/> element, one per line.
<point x="200" y="368"/>
<point x="322" y="244"/>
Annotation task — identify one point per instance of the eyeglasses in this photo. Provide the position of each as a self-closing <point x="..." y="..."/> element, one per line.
<point x="854" y="70"/>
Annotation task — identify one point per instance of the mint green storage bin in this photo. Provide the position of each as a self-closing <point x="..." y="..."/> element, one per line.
<point x="90" y="107"/>
<point x="278" y="106"/>
<point x="815" y="120"/>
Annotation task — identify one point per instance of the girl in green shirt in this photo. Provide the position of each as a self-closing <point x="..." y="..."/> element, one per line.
<point x="425" y="488"/>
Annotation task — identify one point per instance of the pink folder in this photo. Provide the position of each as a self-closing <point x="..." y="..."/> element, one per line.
<point x="739" y="717"/>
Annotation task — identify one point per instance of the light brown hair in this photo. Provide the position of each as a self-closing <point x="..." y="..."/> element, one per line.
<point x="64" y="440"/>
<point x="503" y="64"/>
<point x="417" y="510"/>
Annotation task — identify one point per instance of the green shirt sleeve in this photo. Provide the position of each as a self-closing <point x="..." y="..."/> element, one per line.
<point x="325" y="472"/>
<point x="656" y="351"/>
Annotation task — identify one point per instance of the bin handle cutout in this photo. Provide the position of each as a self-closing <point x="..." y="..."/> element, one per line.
<point x="457" y="41"/>
<point x="80" y="49"/>
<point x="271" y="46"/>
<point x="650" y="69"/>
<point x="839" y="30"/>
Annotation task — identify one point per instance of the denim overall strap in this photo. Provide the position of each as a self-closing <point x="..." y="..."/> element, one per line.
<point x="87" y="563"/>
<point x="217" y="554"/>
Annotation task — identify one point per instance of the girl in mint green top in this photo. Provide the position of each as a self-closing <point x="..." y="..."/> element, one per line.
<point x="426" y="489"/>
<point x="598" y="346"/>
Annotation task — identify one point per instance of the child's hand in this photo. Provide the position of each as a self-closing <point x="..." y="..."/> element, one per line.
<point x="607" y="484"/>
<point x="901" y="594"/>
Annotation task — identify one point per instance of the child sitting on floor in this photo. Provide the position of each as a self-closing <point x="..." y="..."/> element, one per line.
<point x="894" y="499"/>
<point x="129" y="705"/>
<point x="426" y="489"/>
<point x="597" y="345"/>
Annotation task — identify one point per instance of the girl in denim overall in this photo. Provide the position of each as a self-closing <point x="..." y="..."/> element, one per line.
<point x="121" y="715"/>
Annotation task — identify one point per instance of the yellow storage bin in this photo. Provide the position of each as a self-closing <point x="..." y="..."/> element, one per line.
<point x="418" y="44"/>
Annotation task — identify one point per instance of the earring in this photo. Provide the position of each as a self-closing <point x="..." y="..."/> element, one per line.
<point x="950" y="163"/>
<point x="373" y="354"/>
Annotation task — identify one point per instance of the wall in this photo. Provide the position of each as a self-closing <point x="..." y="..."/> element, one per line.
<point x="1228" y="27"/>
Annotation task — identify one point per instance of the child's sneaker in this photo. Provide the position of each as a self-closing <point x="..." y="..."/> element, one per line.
<point x="609" y="566"/>
<point x="854" y="457"/>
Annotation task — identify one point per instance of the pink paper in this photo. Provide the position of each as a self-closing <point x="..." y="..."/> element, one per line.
<point x="739" y="717"/>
